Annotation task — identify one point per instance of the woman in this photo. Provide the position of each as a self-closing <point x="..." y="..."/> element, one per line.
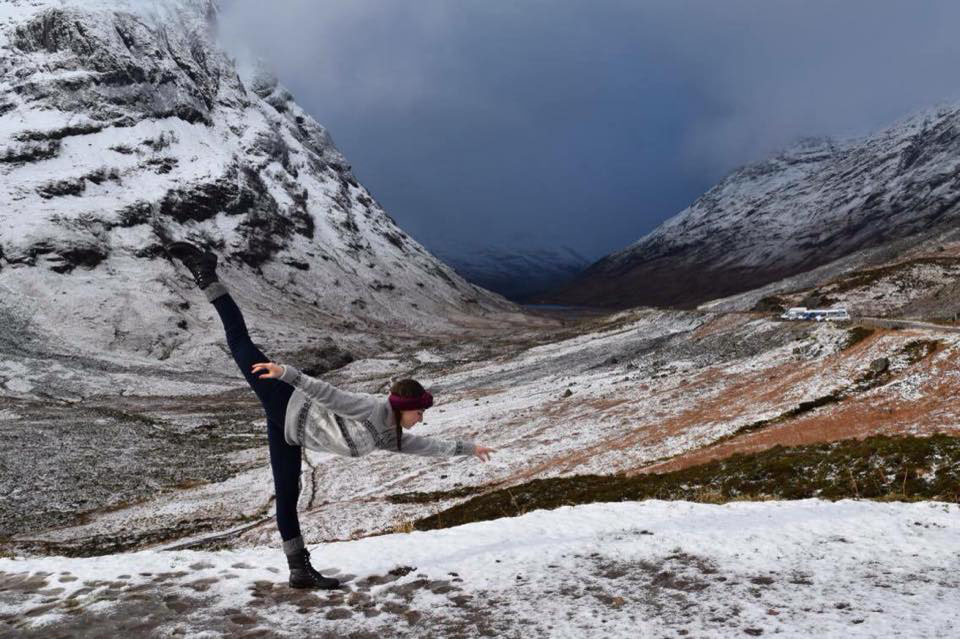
<point x="307" y="412"/>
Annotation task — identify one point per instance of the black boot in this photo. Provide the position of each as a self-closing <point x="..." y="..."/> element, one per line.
<point x="304" y="576"/>
<point x="202" y="264"/>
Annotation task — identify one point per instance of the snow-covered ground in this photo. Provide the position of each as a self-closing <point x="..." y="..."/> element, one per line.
<point x="649" y="569"/>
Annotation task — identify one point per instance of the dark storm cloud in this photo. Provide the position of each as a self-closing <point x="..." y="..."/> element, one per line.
<point x="534" y="123"/>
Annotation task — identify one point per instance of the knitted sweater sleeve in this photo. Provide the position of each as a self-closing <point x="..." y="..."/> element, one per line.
<point x="356" y="406"/>
<point x="422" y="446"/>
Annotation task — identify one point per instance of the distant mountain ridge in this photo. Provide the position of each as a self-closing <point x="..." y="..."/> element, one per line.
<point x="516" y="273"/>
<point x="811" y="204"/>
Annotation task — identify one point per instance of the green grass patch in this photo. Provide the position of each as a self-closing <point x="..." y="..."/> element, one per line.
<point x="770" y="304"/>
<point x="425" y="497"/>
<point x="879" y="467"/>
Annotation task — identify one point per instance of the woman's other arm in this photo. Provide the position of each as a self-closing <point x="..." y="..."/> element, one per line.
<point x="423" y="446"/>
<point x="345" y="403"/>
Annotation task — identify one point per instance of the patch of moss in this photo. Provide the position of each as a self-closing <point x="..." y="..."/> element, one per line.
<point x="424" y="497"/>
<point x="857" y="335"/>
<point x="918" y="350"/>
<point x="879" y="467"/>
<point x="802" y="408"/>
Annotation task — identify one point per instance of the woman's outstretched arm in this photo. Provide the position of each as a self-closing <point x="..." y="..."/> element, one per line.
<point x="423" y="446"/>
<point x="356" y="406"/>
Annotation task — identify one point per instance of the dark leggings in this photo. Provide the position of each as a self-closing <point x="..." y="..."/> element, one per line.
<point x="274" y="395"/>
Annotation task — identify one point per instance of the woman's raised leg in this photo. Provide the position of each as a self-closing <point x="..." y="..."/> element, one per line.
<point x="244" y="352"/>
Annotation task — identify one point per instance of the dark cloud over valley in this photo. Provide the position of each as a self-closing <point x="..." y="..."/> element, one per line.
<point x="585" y="124"/>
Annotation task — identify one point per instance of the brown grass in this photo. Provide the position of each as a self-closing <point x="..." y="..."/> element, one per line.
<point x="856" y="417"/>
<point x="722" y="324"/>
<point x="876" y="412"/>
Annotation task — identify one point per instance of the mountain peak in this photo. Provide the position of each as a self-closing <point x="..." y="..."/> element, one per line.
<point x="805" y="206"/>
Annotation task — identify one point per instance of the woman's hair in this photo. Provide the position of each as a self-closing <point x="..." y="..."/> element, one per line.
<point x="405" y="388"/>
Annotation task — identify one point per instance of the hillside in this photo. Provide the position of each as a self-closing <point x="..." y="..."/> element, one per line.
<point x="814" y="203"/>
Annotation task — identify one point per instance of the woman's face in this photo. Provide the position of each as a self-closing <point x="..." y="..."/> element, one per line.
<point x="410" y="418"/>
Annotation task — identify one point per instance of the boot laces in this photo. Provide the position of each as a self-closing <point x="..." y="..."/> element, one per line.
<point x="308" y="566"/>
<point x="204" y="274"/>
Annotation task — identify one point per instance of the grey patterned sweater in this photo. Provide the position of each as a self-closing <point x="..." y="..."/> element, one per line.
<point x="323" y="418"/>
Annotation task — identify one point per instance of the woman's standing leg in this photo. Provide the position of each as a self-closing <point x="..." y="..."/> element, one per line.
<point x="285" y="459"/>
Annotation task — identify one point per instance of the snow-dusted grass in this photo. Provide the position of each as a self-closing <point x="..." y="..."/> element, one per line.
<point x="670" y="393"/>
<point x="660" y="569"/>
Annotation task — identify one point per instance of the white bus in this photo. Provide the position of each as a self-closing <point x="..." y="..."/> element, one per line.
<point x="794" y="313"/>
<point x="819" y="315"/>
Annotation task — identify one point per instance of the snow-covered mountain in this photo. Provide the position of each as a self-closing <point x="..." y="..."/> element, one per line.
<point x="516" y="273"/>
<point x="123" y="126"/>
<point x="814" y="203"/>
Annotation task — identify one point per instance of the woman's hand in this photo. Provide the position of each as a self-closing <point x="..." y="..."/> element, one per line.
<point x="271" y="369"/>
<point x="483" y="453"/>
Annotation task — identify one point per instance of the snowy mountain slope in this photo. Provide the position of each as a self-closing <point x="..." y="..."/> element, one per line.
<point x="648" y="569"/>
<point x="814" y="203"/>
<point x="912" y="279"/>
<point x="514" y="273"/>
<point x="921" y="245"/>
<point x="123" y="125"/>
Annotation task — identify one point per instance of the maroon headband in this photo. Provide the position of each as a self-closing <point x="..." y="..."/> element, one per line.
<point x="400" y="403"/>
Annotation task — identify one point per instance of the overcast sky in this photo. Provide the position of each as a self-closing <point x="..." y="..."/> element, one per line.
<point x="585" y="123"/>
